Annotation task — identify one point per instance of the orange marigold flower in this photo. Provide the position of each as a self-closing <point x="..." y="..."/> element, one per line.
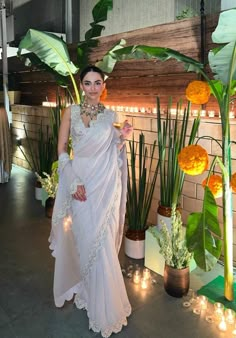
<point x="193" y="159"/>
<point x="103" y="95"/>
<point x="215" y="185"/>
<point x="198" y="92"/>
<point x="233" y="182"/>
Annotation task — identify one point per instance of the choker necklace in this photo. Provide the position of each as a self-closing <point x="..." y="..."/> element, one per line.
<point x="91" y="110"/>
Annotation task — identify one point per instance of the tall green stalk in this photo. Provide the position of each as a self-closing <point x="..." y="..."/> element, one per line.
<point x="141" y="183"/>
<point x="172" y="137"/>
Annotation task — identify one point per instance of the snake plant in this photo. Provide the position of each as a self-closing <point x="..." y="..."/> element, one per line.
<point x="142" y="175"/>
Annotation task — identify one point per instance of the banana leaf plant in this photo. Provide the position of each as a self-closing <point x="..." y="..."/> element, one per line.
<point x="222" y="61"/>
<point x="142" y="175"/>
<point x="50" y="52"/>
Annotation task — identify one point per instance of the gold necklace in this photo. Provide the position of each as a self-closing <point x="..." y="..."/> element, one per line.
<point x="91" y="110"/>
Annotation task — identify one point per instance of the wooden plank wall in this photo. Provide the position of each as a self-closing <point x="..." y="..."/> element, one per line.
<point x="133" y="82"/>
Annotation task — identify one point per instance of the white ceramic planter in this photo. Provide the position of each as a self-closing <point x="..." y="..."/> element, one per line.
<point x="38" y="193"/>
<point x="165" y="219"/>
<point x="134" y="249"/>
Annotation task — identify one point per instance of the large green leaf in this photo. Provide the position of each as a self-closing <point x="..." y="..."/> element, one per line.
<point x="203" y="233"/>
<point x="222" y="59"/>
<point x="220" y="64"/>
<point x="226" y="29"/>
<point x="109" y="60"/>
<point x="100" y="10"/>
<point x="84" y="48"/>
<point x="50" y="49"/>
<point x="31" y="59"/>
<point x="148" y="52"/>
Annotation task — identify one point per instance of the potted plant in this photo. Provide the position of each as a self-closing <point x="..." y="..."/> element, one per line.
<point x="142" y="175"/>
<point x="173" y="247"/>
<point x="39" y="154"/>
<point x="172" y="137"/>
<point x="49" y="184"/>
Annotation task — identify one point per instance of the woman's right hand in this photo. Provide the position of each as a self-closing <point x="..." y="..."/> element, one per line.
<point x="80" y="194"/>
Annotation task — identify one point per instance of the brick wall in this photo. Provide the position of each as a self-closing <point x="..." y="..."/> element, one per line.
<point x="31" y="117"/>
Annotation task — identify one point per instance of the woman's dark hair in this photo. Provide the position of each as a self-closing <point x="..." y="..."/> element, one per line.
<point x="91" y="68"/>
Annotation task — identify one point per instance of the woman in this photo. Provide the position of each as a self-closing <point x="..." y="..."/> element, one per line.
<point x="88" y="217"/>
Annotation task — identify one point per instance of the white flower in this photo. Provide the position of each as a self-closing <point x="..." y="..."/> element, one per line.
<point x="49" y="183"/>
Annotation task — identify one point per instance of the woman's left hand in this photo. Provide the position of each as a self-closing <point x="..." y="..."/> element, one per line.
<point x="126" y="130"/>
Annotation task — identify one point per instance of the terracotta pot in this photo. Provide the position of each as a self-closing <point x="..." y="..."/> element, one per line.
<point x="49" y="204"/>
<point x="176" y="281"/>
<point x="135" y="243"/>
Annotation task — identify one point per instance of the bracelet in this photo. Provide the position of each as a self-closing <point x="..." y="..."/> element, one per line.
<point x="63" y="156"/>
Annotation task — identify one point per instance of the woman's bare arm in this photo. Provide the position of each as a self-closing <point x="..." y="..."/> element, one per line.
<point x="64" y="132"/>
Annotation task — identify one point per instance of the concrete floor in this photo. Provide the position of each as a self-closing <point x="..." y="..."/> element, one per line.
<point x="26" y="274"/>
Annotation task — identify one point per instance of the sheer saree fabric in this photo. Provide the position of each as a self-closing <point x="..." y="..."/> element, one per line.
<point x="86" y="236"/>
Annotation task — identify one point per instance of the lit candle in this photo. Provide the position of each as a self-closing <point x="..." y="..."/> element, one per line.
<point x="144" y="283"/>
<point x="136" y="277"/>
<point x="211" y="113"/>
<point x="146" y="273"/>
<point x="231" y="114"/>
<point x="173" y="111"/>
<point x="154" y="110"/>
<point x="218" y="310"/>
<point x="197" y="306"/>
<point x="195" y="112"/>
<point x="203" y="302"/>
<point x="229" y="316"/>
<point x="222" y="325"/>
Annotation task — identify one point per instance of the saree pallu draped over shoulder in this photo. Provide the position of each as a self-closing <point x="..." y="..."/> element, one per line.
<point x="86" y="236"/>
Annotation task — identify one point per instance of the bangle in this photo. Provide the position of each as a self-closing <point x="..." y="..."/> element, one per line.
<point x="63" y="157"/>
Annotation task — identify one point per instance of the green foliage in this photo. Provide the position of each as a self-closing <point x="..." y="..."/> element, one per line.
<point x="41" y="153"/>
<point x="147" y="52"/>
<point x="141" y="184"/>
<point x="172" y="137"/>
<point x="173" y="245"/>
<point x="186" y="13"/>
<point x="50" y="182"/>
<point x="204" y="234"/>
<point x="84" y="48"/>
<point x="55" y="121"/>
<point x="52" y="51"/>
<point x="222" y="60"/>
<point x="49" y="52"/>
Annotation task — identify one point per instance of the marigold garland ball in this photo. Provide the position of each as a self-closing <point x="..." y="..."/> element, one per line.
<point x="193" y="160"/>
<point x="215" y="185"/>
<point x="198" y="92"/>
<point x="233" y="182"/>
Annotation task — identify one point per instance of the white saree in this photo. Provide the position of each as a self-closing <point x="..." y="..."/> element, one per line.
<point x="86" y="236"/>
